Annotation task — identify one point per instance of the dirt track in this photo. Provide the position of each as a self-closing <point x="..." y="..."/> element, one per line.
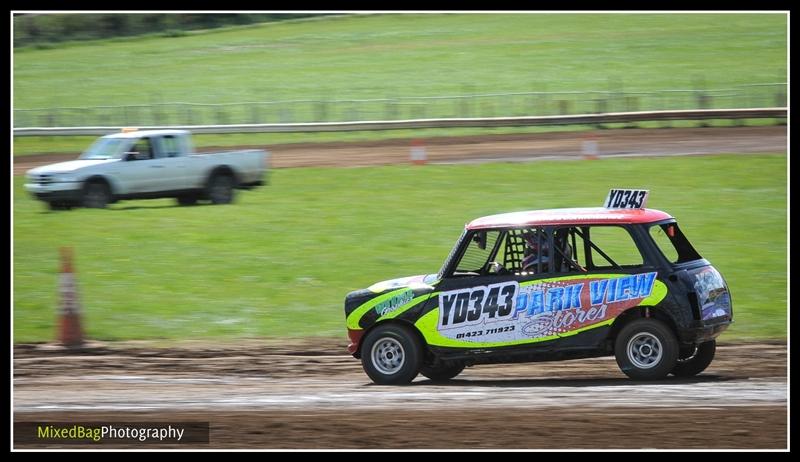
<point x="564" y="145"/>
<point x="308" y="395"/>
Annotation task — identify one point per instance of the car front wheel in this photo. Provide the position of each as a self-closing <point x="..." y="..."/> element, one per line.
<point x="391" y="355"/>
<point x="646" y="349"/>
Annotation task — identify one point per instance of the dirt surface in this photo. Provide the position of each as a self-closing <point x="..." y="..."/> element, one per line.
<point x="309" y="395"/>
<point x="560" y="145"/>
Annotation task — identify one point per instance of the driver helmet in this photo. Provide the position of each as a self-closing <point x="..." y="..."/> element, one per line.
<point x="533" y="252"/>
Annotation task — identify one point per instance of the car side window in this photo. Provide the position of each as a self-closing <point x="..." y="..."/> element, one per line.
<point x="613" y="247"/>
<point x="476" y="256"/>
<point x="527" y="251"/>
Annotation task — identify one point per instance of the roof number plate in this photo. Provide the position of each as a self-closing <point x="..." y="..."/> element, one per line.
<point x="626" y="199"/>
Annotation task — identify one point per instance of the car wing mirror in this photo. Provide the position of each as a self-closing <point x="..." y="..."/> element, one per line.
<point x="129" y="156"/>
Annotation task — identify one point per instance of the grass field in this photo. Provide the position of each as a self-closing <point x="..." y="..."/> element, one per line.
<point x="379" y="56"/>
<point x="374" y="56"/>
<point x="279" y="261"/>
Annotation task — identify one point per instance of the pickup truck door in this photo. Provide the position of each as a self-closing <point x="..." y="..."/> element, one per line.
<point x="135" y="173"/>
<point x="168" y="171"/>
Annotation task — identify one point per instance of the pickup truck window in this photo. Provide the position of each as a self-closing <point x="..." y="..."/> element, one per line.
<point x="143" y="149"/>
<point x="169" y="147"/>
<point x="105" y="148"/>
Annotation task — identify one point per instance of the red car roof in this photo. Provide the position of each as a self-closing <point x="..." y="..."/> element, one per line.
<point x="583" y="216"/>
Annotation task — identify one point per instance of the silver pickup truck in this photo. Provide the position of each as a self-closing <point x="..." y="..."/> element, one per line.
<point x="145" y="165"/>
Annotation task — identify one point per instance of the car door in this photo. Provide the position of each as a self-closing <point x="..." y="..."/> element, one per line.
<point x="476" y="301"/>
<point x="618" y="277"/>
<point x="598" y="273"/>
<point x="531" y="285"/>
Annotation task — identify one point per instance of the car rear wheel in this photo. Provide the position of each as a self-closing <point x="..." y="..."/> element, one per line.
<point x="442" y="372"/>
<point x="697" y="362"/>
<point x="646" y="349"/>
<point x="391" y="355"/>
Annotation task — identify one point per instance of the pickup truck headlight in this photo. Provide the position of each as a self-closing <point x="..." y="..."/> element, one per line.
<point x="47" y="178"/>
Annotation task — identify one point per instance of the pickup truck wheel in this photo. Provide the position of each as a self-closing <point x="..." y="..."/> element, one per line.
<point x="646" y="349"/>
<point x="187" y="200"/>
<point x="59" y="206"/>
<point x="96" y="195"/>
<point x="220" y="189"/>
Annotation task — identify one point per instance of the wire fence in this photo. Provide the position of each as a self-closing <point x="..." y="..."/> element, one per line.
<point x="405" y="108"/>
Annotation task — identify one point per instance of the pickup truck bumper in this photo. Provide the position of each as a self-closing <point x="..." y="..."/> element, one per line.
<point x="55" y="192"/>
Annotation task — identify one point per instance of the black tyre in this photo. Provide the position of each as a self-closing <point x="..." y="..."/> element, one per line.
<point x="646" y="349"/>
<point x="187" y="200"/>
<point x="391" y="355"/>
<point x="442" y="372"/>
<point x="697" y="362"/>
<point x="96" y="195"/>
<point x="220" y="189"/>
<point x="59" y="206"/>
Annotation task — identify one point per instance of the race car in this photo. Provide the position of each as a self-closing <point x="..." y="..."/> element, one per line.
<point x="545" y="285"/>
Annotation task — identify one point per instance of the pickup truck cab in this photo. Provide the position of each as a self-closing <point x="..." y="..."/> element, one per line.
<point x="146" y="164"/>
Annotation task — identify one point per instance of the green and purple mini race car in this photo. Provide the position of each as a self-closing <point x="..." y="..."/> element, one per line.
<point x="548" y="285"/>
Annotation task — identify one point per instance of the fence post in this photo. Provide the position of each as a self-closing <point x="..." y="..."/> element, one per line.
<point x="487" y="109"/>
<point x="601" y="106"/>
<point x="703" y="99"/>
<point x="664" y="104"/>
<point x="320" y="111"/>
<point x="188" y="114"/>
<point x="390" y="110"/>
<point x="563" y="107"/>
<point x="543" y="104"/>
<point x="631" y="105"/>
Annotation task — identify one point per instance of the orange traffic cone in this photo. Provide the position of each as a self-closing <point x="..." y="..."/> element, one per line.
<point x="69" y="310"/>
<point x="418" y="154"/>
<point x="589" y="149"/>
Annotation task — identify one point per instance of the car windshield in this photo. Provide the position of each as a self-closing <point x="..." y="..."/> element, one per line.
<point x="450" y="256"/>
<point x="105" y="148"/>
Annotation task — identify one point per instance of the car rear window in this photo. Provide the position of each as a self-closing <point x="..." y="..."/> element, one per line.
<point x="672" y="243"/>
